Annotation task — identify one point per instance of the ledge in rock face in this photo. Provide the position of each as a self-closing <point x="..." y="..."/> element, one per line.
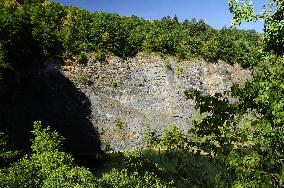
<point x="127" y="96"/>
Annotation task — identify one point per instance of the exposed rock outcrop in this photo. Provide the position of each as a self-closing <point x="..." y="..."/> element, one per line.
<point x="127" y="96"/>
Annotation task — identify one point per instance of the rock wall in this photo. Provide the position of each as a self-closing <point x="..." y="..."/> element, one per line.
<point x="129" y="96"/>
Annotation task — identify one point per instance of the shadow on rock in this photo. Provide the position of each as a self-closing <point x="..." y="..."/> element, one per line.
<point x="43" y="93"/>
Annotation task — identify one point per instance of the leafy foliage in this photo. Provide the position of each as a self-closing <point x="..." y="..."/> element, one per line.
<point x="44" y="27"/>
<point x="272" y="14"/>
<point x="123" y="178"/>
<point x="172" y="138"/>
<point x="247" y="135"/>
<point x="47" y="166"/>
<point x="81" y="58"/>
<point x="242" y="135"/>
<point x="2" y="56"/>
<point x="45" y="20"/>
<point x="177" y="161"/>
<point x="6" y="154"/>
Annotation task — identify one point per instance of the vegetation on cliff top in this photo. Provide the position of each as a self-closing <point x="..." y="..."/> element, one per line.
<point x="29" y="28"/>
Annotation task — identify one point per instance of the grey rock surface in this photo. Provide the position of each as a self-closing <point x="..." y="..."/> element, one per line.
<point x="127" y="96"/>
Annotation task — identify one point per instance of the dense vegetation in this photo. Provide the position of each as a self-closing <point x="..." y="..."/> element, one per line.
<point x="30" y="28"/>
<point x="236" y="144"/>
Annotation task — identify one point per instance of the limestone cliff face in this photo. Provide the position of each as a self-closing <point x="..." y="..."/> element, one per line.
<point x="129" y="96"/>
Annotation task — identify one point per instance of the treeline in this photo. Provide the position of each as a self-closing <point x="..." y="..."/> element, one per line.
<point x="29" y="28"/>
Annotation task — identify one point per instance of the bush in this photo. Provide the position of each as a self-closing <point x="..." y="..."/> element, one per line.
<point x="99" y="56"/>
<point x="81" y="58"/>
<point x="167" y="64"/>
<point x="211" y="50"/>
<point x="6" y="154"/>
<point x="123" y="178"/>
<point x="120" y="124"/>
<point x="47" y="166"/>
<point x="172" y="138"/>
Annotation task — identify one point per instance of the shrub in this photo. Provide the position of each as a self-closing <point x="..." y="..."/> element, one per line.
<point x="81" y="58"/>
<point x="172" y="138"/>
<point x="99" y="55"/>
<point x="167" y="64"/>
<point x="119" y="123"/>
<point x="123" y="178"/>
<point x="211" y="50"/>
<point x="6" y="154"/>
<point x="178" y="71"/>
<point x="47" y="166"/>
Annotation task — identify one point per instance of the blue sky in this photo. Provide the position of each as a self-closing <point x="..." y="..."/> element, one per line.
<point x="214" y="12"/>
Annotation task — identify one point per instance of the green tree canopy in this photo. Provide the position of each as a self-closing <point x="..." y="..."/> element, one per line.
<point x="273" y="15"/>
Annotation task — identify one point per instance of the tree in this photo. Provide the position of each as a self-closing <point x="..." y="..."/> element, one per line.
<point x="45" y="20"/>
<point x="248" y="134"/>
<point x="273" y="16"/>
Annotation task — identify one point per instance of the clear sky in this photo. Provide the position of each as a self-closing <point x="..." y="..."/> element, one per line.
<point x="214" y="12"/>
